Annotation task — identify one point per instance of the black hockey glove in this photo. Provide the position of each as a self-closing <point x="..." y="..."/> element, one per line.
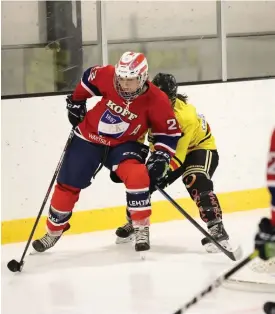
<point x="76" y="110"/>
<point x="170" y="177"/>
<point x="265" y="239"/>
<point x="157" y="166"/>
<point x="162" y="183"/>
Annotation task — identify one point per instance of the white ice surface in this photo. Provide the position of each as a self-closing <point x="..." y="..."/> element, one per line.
<point x="90" y="274"/>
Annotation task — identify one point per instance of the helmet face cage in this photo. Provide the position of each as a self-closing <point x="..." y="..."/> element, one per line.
<point x="129" y="96"/>
<point x="131" y="66"/>
<point x="168" y="84"/>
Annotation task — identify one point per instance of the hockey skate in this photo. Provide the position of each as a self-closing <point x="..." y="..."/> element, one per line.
<point x="218" y="232"/>
<point x="142" y="241"/>
<point x="47" y="241"/>
<point x="269" y="308"/>
<point x="125" y="233"/>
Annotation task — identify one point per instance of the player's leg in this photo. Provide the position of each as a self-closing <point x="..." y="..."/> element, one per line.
<point x="200" y="166"/>
<point x="79" y="165"/>
<point x="125" y="232"/>
<point x="128" y="161"/>
<point x="135" y="176"/>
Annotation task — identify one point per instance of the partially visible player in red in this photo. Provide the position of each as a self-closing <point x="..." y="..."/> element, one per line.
<point x="111" y="134"/>
<point x="265" y="238"/>
<point x="271" y="176"/>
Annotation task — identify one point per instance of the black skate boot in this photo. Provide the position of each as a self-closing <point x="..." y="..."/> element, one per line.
<point x="142" y="238"/>
<point x="218" y="232"/>
<point x="47" y="241"/>
<point x="125" y="233"/>
<point x="269" y="308"/>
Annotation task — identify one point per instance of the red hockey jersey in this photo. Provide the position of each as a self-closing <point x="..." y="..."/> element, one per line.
<point x="271" y="175"/>
<point x="113" y="121"/>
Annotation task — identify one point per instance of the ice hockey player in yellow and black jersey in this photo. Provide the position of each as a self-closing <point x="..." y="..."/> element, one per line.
<point x="196" y="160"/>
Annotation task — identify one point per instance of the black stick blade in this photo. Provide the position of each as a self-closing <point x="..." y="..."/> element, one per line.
<point x="15" y="266"/>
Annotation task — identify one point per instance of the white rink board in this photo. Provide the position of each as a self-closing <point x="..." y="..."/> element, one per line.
<point x="34" y="132"/>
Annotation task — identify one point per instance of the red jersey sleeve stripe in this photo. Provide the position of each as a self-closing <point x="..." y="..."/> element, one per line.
<point x="165" y="134"/>
<point x="271" y="183"/>
<point x="161" y="146"/>
<point x="169" y="142"/>
<point x="87" y="88"/>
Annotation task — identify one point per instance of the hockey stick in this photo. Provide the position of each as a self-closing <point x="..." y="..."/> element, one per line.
<point x="234" y="256"/>
<point x="217" y="283"/>
<point x="13" y="265"/>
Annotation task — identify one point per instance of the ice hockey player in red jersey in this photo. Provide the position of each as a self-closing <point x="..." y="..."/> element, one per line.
<point x="265" y="238"/>
<point x="195" y="161"/>
<point x="111" y="134"/>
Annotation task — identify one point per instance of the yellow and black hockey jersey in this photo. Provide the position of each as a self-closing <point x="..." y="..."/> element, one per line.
<point x="196" y="133"/>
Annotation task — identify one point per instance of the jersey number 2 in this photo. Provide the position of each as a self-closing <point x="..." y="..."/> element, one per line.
<point x="172" y="124"/>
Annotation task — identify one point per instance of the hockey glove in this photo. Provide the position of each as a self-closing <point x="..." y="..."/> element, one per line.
<point x="170" y="177"/>
<point x="265" y="239"/>
<point x="76" y="110"/>
<point x="162" y="183"/>
<point x="157" y="166"/>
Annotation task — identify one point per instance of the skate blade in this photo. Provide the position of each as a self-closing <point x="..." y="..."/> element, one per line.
<point x="143" y="255"/>
<point x="34" y="252"/>
<point x="124" y="240"/>
<point x="212" y="248"/>
<point x="237" y="252"/>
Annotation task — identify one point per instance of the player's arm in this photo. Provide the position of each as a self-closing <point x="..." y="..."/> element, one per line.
<point x="176" y="164"/>
<point x="188" y="123"/>
<point x="166" y="132"/>
<point x="89" y="84"/>
<point x="151" y="140"/>
<point x="164" y="127"/>
<point x="86" y="88"/>
<point x="183" y="144"/>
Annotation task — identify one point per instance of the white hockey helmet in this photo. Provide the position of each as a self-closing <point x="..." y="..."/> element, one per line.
<point x="132" y="65"/>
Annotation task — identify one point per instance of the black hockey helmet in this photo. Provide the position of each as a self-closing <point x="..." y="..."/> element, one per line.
<point x="168" y="84"/>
